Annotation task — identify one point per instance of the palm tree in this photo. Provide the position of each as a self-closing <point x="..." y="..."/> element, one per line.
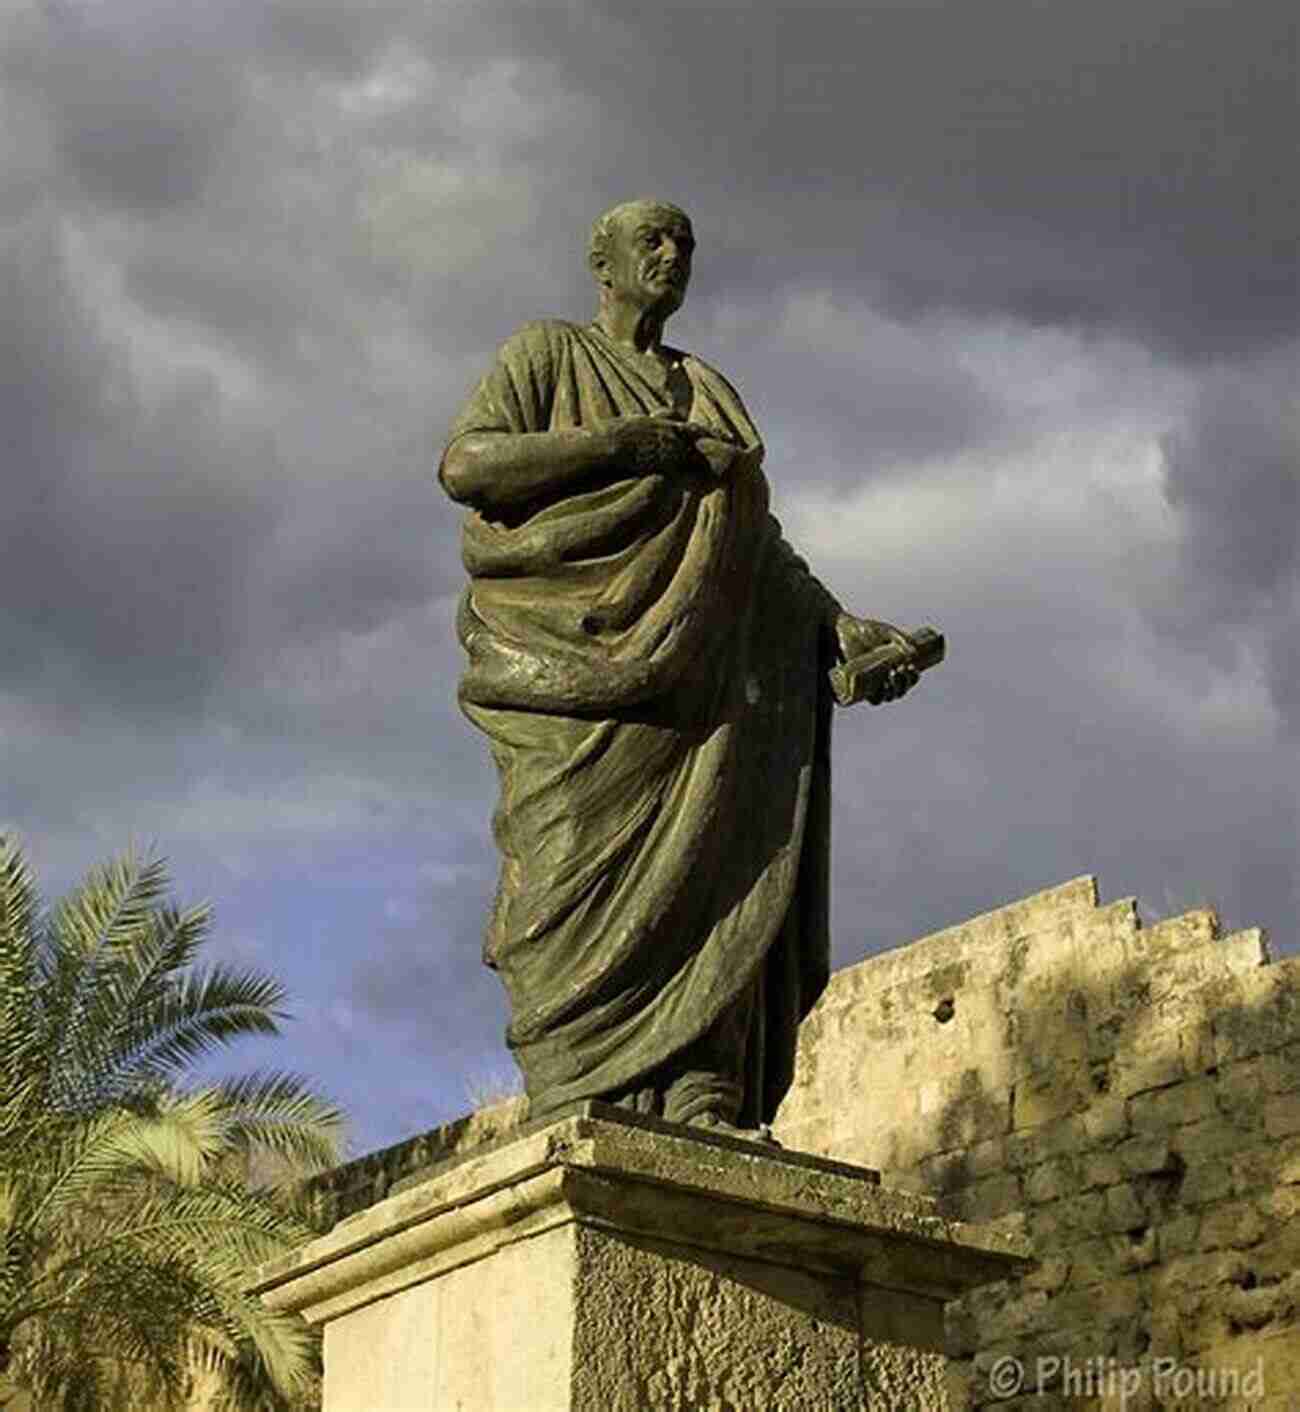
<point x="127" y="1225"/>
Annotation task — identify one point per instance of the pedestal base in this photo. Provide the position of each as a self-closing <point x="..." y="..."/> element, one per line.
<point x="607" y="1261"/>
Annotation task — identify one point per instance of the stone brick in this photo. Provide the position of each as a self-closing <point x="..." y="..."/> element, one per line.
<point x="1178" y="1235"/>
<point x="1206" y="1181"/>
<point x="1248" y="1079"/>
<point x="1050" y="1274"/>
<point x="1136" y="1250"/>
<point x="1019" y="1316"/>
<point x="1191" y="929"/>
<point x="1282" y="1115"/>
<point x="1236" y="1223"/>
<point x="1189" y="1102"/>
<point x="1152" y="1066"/>
<point x="1092" y="1261"/>
<point x="987" y="1158"/>
<point x="985" y="1200"/>
<point x="1202" y="1142"/>
<point x="1288" y="1161"/>
<point x="1076" y="1309"/>
<point x="1256" y="1012"/>
<point x="1034" y="1145"/>
<point x="1105" y="1119"/>
<point x="1288" y="1075"/>
<point x="1126" y="1207"/>
<point x="944" y="1173"/>
<point x="1100" y="1169"/>
<point x="1280" y="1203"/>
<point x="1057" y="1221"/>
<point x="1263" y="1166"/>
<point x="1278" y="1256"/>
<point x="1140" y="1155"/>
<point x="1274" y="1357"/>
<point x="1199" y="1272"/>
<point x="1050" y="1181"/>
<point x="1260" y="1305"/>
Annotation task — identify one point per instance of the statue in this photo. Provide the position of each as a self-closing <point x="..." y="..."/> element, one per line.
<point x="649" y="659"/>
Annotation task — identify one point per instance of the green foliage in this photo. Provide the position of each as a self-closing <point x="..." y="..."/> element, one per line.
<point x="126" y="1224"/>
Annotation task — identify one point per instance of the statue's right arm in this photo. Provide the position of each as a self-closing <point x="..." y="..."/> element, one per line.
<point x="498" y="470"/>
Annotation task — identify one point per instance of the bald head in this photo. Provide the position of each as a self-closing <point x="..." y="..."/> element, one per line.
<point x="621" y="217"/>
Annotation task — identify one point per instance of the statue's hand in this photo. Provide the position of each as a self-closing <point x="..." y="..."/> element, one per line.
<point x="858" y="636"/>
<point x="645" y="445"/>
<point x="725" y="459"/>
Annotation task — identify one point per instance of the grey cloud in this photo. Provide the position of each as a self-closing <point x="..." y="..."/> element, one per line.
<point x="1233" y="479"/>
<point x="1107" y="165"/>
<point x="855" y="393"/>
<point x="260" y="304"/>
<point x="142" y="98"/>
<point x="341" y="39"/>
<point x="1234" y="473"/>
<point x="243" y="640"/>
<point x="123" y="555"/>
<point x="426" y="971"/>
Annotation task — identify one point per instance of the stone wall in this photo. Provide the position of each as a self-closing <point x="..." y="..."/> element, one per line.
<point x="345" y="1190"/>
<point x="1127" y="1096"/>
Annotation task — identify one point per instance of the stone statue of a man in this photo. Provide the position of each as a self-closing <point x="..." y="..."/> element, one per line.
<point x="648" y="659"/>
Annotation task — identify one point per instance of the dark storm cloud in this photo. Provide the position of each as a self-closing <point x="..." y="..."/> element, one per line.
<point x="1059" y="738"/>
<point x="847" y="394"/>
<point x="1234" y="475"/>
<point x="260" y="304"/>
<point x="971" y="266"/>
<point x="336" y="37"/>
<point x="1233" y="480"/>
<point x="125" y="543"/>
<point x="1108" y="164"/>
<point x="141" y="97"/>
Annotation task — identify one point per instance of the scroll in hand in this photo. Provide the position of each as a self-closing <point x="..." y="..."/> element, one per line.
<point x="889" y="670"/>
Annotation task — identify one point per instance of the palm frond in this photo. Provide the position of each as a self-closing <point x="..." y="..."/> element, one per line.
<point x="178" y="1142"/>
<point x="285" y="1361"/>
<point x="198" y="1013"/>
<point x="18" y="901"/>
<point x="20" y="1027"/>
<point x="280" y="1114"/>
<point x="80" y="948"/>
<point x="111" y="905"/>
<point x="128" y="1221"/>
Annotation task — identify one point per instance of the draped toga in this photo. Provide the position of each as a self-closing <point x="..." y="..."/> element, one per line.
<point x="647" y="659"/>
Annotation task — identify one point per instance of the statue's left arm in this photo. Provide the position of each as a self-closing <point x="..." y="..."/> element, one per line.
<point x="848" y="636"/>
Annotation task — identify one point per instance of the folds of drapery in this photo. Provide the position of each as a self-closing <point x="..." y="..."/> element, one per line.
<point x="647" y="660"/>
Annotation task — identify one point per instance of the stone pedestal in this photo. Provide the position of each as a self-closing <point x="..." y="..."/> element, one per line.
<point x="604" y="1261"/>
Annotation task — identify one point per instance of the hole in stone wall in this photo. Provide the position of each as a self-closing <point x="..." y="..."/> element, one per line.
<point x="1162" y="1187"/>
<point x="944" y="1010"/>
<point x="1138" y="1234"/>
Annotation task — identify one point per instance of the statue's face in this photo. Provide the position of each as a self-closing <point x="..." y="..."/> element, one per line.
<point x="649" y="260"/>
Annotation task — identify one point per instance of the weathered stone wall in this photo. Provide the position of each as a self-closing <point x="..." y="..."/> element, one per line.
<point x="1127" y="1096"/>
<point x="345" y="1190"/>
